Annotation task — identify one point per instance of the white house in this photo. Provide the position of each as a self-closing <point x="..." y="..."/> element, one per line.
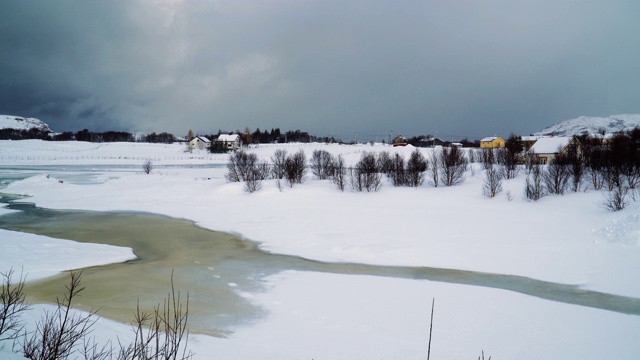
<point x="200" y="143"/>
<point x="547" y="148"/>
<point x="230" y="142"/>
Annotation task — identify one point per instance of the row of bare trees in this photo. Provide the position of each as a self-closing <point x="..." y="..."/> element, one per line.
<point x="66" y="334"/>
<point x="445" y="166"/>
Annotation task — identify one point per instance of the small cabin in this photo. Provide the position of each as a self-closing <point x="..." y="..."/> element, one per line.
<point x="546" y="149"/>
<point x="492" y="142"/>
<point x="199" y="143"/>
<point x="229" y="142"/>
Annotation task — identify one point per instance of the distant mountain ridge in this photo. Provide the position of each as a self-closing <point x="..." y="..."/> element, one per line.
<point x="592" y="125"/>
<point x="21" y="123"/>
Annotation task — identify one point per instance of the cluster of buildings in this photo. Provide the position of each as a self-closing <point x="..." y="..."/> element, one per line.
<point x="545" y="148"/>
<point x="225" y="141"/>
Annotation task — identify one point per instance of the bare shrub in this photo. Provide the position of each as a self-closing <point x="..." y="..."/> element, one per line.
<point x="471" y="154"/>
<point x="557" y="175"/>
<point x="594" y="160"/>
<point x="508" y="159"/>
<point x="576" y="166"/>
<point x="530" y="160"/>
<point x="245" y="167"/>
<point x="322" y="164"/>
<point x="277" y="163"/>
<point x="493" y="182"/>
<point x="12" y="304"/>
<point x="488" y="158"/>
<point x="396" y="172"/>
<point x="366" y="175"/>
<point x="59" y="334"/>
<point x="295" y="167"/>
<point x="416" y="167"/>
<point x="147" y="166"/>
<point x="255" y="175"/>
<point x="453" y="165"/>
<point x="339" y="173"/>
<point x="385" y="163"/>
<point x="239" y="166"/>
<point x="434" y="169"/>
<point x="616" y="199"/>
<point x="162" y="333"/>
<point x="614" y="159"/>
<point x="534" y="190"/>
<point x="63" y="333"/>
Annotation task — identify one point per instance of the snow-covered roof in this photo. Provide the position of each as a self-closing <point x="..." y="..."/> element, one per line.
<point x="201" y="138"/>
<point x="550" y="145"/>
<point x="226" y="137"/>
<point x="490" y="138"/>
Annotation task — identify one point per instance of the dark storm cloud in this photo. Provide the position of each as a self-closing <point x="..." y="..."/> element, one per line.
<point x="465" y="68"/>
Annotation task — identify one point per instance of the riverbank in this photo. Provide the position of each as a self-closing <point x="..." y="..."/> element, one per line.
<point x="567" y="239"/>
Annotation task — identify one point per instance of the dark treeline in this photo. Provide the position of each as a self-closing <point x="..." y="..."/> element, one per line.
<point x="255" y="137"/>
<point x="17" y="134"/>
<point x="276" y="136"/>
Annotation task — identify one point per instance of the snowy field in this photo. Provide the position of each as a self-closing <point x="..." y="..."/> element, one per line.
<point x="568" y="239"/>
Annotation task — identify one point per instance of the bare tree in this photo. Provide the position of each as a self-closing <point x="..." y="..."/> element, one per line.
<point x="416" y="167"/>
<point x="534" y="190"/>
<point x="434" y="169"/>
<point x="453" y="165"/>
<point x="243" y="166"/>
<point x="396" y="171"/>
<point x="295" y="167"/>
<point x="472" y="156"/>
<point x="366" y="175"/>
<point x="576" y="166"/>
<point x="530" y="159"/>
<point x="488" y="158"/>
<point x="509" y="160"/>
<point x="493" y="181"/>
<point x="255" y="174"/>
<point x="246" y="137"/>
<point x="277" y="163"/>
<point x="147" y="166"/>
<point x="339" y="173"/>
<point x="189" y="138"/>
<point x="556" y="175"/>
<point x="12" y="304"/>
<point x="385" y="163"/>
<point x="614" y="159"/>
<point x="322" y="164"/>
<point x="593" y="151"/>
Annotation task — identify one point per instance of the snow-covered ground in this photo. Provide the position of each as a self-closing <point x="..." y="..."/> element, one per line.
<point x="568" y="239"/>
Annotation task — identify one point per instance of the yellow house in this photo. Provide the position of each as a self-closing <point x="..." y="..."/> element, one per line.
<point x="492" y="142"/>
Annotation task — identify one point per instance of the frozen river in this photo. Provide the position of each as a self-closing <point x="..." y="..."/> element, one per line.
<point x="215" y="268"/>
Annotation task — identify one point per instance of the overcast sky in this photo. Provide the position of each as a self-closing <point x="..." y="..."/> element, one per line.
<point x="452" y="68"/>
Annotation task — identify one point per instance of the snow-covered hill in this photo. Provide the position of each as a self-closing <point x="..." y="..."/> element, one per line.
<point x="20" y="123"/>
<point x="593" y="125"/>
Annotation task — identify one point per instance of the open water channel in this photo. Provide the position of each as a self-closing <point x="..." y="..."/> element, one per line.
<point x="216" y="268"/>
